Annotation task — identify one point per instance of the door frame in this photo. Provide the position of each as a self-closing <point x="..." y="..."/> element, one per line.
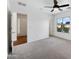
<point x="9" y="44"/>
<point x="15" y="42"/>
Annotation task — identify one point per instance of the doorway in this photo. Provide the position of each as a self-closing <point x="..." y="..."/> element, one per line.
<point x="21" y="29"/>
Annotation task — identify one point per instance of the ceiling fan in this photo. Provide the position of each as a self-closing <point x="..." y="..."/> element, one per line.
<point x="56" y="6"/>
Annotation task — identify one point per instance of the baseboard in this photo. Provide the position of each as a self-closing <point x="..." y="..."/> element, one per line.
<point x="58" y="37"/>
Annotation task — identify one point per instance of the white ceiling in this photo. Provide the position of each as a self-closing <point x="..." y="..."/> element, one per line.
<point x="41" y="3"/>
<point x="38" y="3"/>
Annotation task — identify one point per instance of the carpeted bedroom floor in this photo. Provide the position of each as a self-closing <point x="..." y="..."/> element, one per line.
<point x="51" y="48"/>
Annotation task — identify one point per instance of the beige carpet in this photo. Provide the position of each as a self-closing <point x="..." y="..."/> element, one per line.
<point x="52" y="48"/>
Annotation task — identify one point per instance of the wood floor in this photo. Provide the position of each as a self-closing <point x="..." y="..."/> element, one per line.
<point x="20" y="40"/>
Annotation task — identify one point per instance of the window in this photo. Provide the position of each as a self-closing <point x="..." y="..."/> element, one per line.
<point x="63" y="25"/>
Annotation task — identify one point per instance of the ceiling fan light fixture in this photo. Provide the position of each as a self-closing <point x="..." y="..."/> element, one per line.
<point x="56" y="10"/>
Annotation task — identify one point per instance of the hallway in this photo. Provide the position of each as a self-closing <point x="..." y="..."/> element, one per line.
<point x="20" y="40"/>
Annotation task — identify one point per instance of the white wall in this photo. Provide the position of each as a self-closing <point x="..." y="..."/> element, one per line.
<point x="54" y="24"/>
<point x="37" y="21"/>
<point x="14" y="26"/>
<point x="51" y="25"/>
<point x="38" y="26"/>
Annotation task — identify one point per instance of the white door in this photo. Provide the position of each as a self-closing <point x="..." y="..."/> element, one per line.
<point x="14" y="27"/>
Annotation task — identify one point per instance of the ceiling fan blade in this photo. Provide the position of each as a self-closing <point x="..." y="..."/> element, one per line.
<point x="64" y="5"/>
<point x="52" y="10"/>
<point x="48" y="6"/>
